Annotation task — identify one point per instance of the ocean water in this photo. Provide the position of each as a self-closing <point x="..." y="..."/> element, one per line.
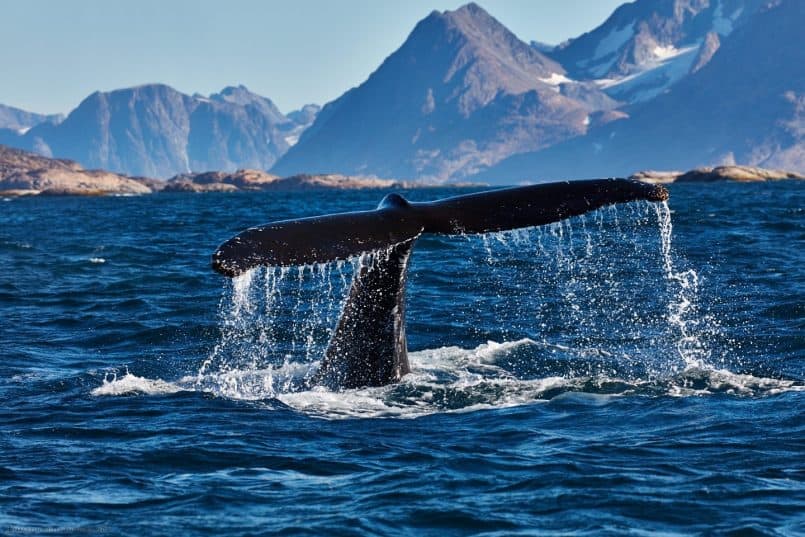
<point x="639" y="370"/>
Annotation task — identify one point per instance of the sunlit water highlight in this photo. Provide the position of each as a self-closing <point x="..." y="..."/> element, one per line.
<point x="276" y="322"/>
<point x="606" y="375"/>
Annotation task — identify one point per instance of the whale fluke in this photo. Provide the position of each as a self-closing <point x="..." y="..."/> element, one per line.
<point x="322" y="239"/>
<point x="368" y="347"/>
<point x="319" y="239"/>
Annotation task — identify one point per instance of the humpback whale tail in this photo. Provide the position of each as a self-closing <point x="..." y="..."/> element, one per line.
<point x="368" y="347"/>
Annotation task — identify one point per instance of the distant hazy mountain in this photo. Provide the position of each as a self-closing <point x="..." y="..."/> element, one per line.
<point x="305" y="115"/>
<point x="300" y="120"/>
<point x="460" y="94"/>
<point x="746" y="105"/>
<point x="15" y="119"/>
<point x="241" y="96"/>
<point x="672" y="84"/>
<point x="646" y="46"/>
<point x="156" y="131"/>
<point x="14" y="123"/>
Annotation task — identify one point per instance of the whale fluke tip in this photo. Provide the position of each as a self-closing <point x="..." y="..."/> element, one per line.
<point x="658" y="193"/>
<point x="222" y="268"/>
<point x="230" y="266"/>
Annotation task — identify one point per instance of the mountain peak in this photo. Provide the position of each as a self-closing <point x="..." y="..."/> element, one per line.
<point x="474" y="55"/>
<point x="241" y="96"/>
<point x="22" y="120"/>
<point x="471" y="7"/>
<point x="645" y="33"/>
<point x="474" y="22"/>
<point x="144" y="93"/>
<point x="154" y="130"/>
<point x="240" y="89"/>
<point x="461" y="91"/>
<point x="719" y="115"/>
<point x="468" y="12"/>
<point x="152" y="87"/>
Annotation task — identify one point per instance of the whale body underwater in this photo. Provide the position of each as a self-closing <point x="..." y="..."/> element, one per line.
<point x="368" y="347"/>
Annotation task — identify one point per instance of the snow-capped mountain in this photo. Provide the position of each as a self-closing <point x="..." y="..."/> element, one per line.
<point x="460" y="94"/>
<point x="17" y="120"/>
<point x="660" y="84"/>
<point x="745" y="106"/>
<point x="646" y="46"/>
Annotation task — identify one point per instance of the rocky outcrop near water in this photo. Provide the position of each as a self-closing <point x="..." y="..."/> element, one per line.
<point x="24" y="173"/>
<point x="741" y="174"/>
<point x="255" y="180"/>
<point x="220" y="181"/>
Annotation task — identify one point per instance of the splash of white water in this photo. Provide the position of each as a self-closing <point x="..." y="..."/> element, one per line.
<point x="278" y="318"/>
<point x="609" y="312"/>
<point x="682" y="311"/>
<point x="452" y="379"/>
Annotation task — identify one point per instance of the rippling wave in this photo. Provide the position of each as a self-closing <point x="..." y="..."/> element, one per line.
<point x="639" y="370"/>
<point x="455" y="379"/>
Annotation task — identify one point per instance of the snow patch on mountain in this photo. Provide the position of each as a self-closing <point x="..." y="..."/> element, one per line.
<point x="672" y="64"/>
<point x="665" y="52"/>
<point x="557" y="79"/>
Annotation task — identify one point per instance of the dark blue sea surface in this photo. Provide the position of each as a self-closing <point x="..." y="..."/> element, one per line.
<point x="606" y="375"/>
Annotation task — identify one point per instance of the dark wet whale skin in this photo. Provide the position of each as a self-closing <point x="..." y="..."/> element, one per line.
<point x="369" y="345"/>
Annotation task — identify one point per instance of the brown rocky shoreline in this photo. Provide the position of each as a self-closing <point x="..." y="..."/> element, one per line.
<point x="740" y="174"/>
<point x="26" y="174"/>
<point x="23" y="173"/>
<point x="252" y="180"/>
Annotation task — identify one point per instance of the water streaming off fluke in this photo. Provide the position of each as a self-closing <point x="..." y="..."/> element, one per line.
<point x="553" y="384"/>
<point x="556" y="297"/>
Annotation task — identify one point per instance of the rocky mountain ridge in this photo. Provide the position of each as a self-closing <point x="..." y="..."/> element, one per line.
<point x="461" y="93"/>
<point x="462" y="97"/>
<point x="746" y="106"/>
<point x="670" y="84"/>
<point x="646" y="46"/>
<point x="157" y="131"/>
<point x="16" y="119"/>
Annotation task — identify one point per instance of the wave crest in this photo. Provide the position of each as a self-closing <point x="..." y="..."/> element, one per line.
<point x="452" y="379"/>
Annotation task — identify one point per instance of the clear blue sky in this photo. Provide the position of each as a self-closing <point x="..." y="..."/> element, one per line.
<point x="53" y="53"/>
